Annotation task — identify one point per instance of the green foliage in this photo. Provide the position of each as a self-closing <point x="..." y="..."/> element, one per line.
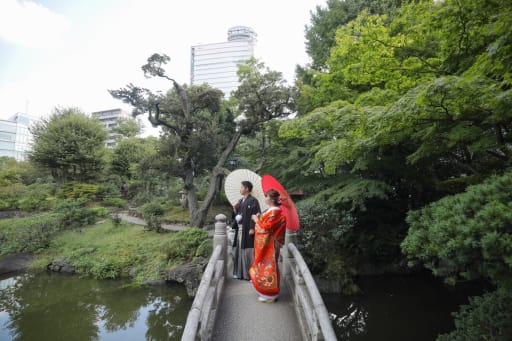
<point x="320" y="34"/>
<point x="105" y="268"/>
<point x="9" y="196"/>
<point x="77" y="191"/>
<point x="205" y="249"/>
<point x="184" y="245"/>
<point x="466" y="236"/>
<point x="38" y="197"/>
<point x="105" y="252"/>
<point x="70" y="145"/>
<point x="27" y="198"/>
<point x="199" y="132"/>
<point x="99" y="211"/>
<point x="262" y="95"/>
<point x="128" y="154"/>
<point x="9" y="173"/>
<point x="115" y="202"/>
<point x="109" y="189"/>
<point x="73" y="215"/>
<point x="487" y="317"/>
<point x="128" y="127"/>
<point x="324" y="230"/>
<point x="28" y="234"/>
<point x="152" y="213"/>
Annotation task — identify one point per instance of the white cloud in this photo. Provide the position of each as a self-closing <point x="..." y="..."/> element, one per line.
<point x="30" y="24"/>
<point x="110" y="40"/>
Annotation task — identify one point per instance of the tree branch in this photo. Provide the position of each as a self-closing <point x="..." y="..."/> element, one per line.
<point x="162" y="122"/>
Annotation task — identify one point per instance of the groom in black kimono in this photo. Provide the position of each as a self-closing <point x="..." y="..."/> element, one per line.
<point x="244" y="231"/>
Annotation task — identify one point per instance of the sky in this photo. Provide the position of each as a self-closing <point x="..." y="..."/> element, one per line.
<point x="68" y="53"/>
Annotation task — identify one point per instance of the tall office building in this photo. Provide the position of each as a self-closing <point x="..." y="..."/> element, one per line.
<point x="15" y="137"/>
<point x="109" y="118"/>
<point x="217" y="64"/>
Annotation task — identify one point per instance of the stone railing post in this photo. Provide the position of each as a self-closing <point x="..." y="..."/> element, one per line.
<point x="290" y="237"/>
<point x="220" y="238"/>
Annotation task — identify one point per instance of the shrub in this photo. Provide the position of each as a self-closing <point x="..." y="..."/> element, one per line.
<point x="9" y="196"/>
<point x="184" y="245"/>
<point x="99" y="211"/>
<point x="78" y="191"/>
<point x="466" y="236"/>
<point x="37" y="197"/>
<point x="106" y="252"/>
<point x="27" y="234"/>
<point x="106" y="269"/>
<point x="487" y="317"/>
<point x="205" y="249"/>
<point x="107" y="190"/>
<point x="115" y="202"/>
<point x="73" y="215"/>
<point x="152" y="213"/>
<point x="324" y="231"/>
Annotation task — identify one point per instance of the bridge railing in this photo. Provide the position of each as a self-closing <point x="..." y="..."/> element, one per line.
<point x="201" y="317"/>
<point x="308" y="303"/>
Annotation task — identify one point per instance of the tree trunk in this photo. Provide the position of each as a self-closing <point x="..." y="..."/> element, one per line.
<point x="198" y="216"/>
<point x="190" y="192"/>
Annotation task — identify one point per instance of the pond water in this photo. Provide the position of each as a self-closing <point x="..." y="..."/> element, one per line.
<point x="398" y="308"/>
<point x="58" y="307"/>
<point x="50" y="306"/>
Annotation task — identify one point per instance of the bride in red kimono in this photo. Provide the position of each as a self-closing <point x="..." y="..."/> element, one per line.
<point x="270" y="230"/>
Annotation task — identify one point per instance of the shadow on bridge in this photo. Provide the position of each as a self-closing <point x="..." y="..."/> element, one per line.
<point x="227" y="309"/>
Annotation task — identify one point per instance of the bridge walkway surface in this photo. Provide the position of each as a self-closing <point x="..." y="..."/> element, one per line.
<point x="241" y="316"/>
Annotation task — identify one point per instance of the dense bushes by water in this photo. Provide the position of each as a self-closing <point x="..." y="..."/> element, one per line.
<point x="487" y="317"/>
<point x="33" y="233"/>
<point x="106" y="251"/>
<point x="27" y="234"/>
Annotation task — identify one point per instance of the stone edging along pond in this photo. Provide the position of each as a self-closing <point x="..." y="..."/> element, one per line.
<point x="188" y="274"/>
<point x="15" y="263"/>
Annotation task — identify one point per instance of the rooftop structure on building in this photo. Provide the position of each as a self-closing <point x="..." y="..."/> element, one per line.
<point x="216" y="64"/>
<point x="110" y="119"/>
<point x="15" y="137"/>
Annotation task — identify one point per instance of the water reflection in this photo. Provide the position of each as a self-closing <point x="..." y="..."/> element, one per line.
<point x="398" y="308"/>
<point x="55" y="307"/>
<point x="351" y="322"/>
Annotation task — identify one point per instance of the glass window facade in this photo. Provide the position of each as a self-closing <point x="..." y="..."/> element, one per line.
<point x="15" y="137"/>
<point x="217" y="64"/>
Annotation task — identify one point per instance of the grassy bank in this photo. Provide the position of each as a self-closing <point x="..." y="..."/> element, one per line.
<point x="105" y="251"/>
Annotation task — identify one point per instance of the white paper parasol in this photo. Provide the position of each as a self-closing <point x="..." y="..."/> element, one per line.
<point x="234" y="181"/>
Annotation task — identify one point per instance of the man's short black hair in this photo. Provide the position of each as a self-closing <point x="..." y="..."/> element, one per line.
<point x="248" y="185"/>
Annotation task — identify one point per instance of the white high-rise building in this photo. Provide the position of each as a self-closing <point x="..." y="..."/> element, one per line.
<point x="217" y="64"/>
<point x="15" y="137"/>
<point x="109" y="118"/>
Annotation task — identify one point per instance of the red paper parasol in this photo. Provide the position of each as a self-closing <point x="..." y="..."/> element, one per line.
<point x="292" y="217"/>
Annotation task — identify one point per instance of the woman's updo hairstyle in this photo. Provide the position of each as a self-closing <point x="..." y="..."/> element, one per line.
<point x="274" y="196"/>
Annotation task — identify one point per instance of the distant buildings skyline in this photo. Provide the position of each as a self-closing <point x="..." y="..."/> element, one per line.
<point x="216" y="64"/>
<point x="15" y="137"/>
<point x="110" y="120"/>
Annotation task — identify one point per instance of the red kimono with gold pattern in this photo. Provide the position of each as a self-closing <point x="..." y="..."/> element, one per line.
<point x="269" y="237"/>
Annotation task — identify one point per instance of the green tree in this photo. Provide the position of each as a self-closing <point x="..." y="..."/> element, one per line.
<point x="70" y="145"/>
<point x="262" y="97"/>
<point x="200" y="131"/>
<point x="396" y="123"/>
<point x="127" y="155"/>
<point x="466" y="236"/>
<point x="321" y="31"/>
<point x="128" y="127"/>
